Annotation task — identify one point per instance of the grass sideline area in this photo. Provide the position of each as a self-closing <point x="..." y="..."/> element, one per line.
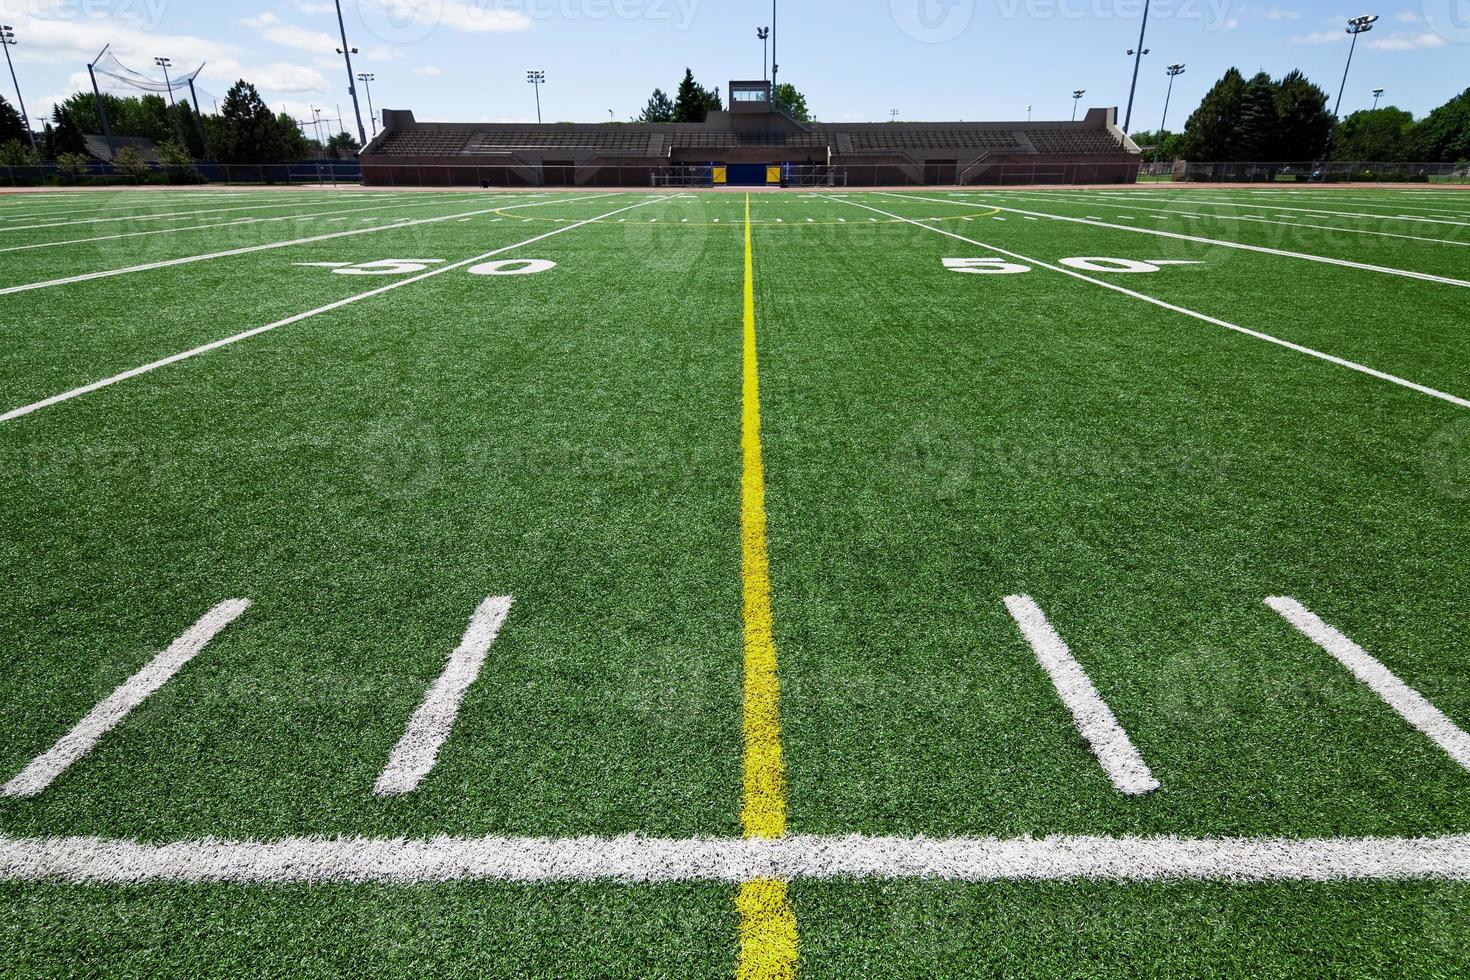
<point x="893" y="583"/>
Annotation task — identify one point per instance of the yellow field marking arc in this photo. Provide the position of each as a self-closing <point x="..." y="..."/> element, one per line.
<point x="768" y="947"/>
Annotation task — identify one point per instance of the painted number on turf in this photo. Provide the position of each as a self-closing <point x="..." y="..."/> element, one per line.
<point x="985" y="267"/>
<point x="512" y="267"/>
<point x="1090" y="263"/>
<point x="381" y="267"/>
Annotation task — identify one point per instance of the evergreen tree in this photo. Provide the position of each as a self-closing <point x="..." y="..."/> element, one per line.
<point x="1303" y="122"/>
<point x="1444" y="135"/>
<point x="692" y="102"/>
<point x="659" y="109"/>
<point x="249" y="128"/>
<point x="1376" y="136"/>
<point x="1258" y="139"/>
<point x="1213" y="131"/>
<point x="11" y="127"/>
<point x="68" y="138"/>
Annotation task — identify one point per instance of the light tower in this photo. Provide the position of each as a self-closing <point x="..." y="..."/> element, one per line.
<point x="1137" y="54"/>
<point x="764" y="33"/>
<point x="537" y="79"/>
<point x="1077" y="95"/>
<point x="165" y="64"/>
<point x="1174" y="72"/>
<point x="367" y="78"/>
<point x="347" y="54"/>
<point x="1377" y="94"/>
<point x="7" y="39"/>
<point x="1356" y="26"/>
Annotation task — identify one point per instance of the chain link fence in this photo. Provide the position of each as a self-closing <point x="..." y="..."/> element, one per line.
<point x="1322" y="172"/>
<point x="98" y="173"/>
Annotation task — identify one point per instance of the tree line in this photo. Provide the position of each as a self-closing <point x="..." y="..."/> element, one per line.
<point x="1262" y="119"/>
<point x="244" y="130"/>
<point x="692" y="103"/>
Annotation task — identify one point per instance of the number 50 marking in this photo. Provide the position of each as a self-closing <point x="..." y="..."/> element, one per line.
<point x="1093" y="263"/>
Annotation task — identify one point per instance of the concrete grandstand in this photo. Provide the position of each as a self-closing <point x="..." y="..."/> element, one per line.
<point x="754" y="142"/>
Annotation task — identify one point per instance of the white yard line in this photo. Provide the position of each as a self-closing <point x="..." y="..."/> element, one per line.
<point x="1202" y="317"/>
<point x="187" y="260"/>
<point x="416" y="752"/>
<point x="1222" y="243"/>
<point x="83" y="737"/>
<point x="1095" y="721"/>
<point x="136" y="205"/>
<point x="159" y="216"/>
<point x="1412" y="706"/>
<point x="1292" y="223"/>
<point x="24" y="410"/>
<point x="232" y="223"/>
<point x="649" y="860"/>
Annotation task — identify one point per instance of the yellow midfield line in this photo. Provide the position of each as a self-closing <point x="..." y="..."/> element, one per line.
<point x="767" y="922"/>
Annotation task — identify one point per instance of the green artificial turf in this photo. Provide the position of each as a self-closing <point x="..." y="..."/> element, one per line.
<point x="934" y="442"/>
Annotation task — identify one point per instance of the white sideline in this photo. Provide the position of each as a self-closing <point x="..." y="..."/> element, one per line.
<point x="159" y="216"/>
<point x="1412" y="706"/>
<point x="1095" y="721"/>
<point x="1156" y="209"/>
<point x="1222" y="243"/>
<point x="83" y="737"/>
<point x="1203" y="317"/>
<point x="87" y="389"/>
<point x="232" y="223"/>
<point x="190" y="259"/>
<point x="647" y="860"/>
<point x="416" y="752"/>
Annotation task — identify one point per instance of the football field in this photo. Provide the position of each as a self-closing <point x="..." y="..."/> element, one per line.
<point x="1001" y="581"/>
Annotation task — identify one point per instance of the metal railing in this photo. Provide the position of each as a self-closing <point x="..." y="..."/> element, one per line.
<point x="1297" y="172"/>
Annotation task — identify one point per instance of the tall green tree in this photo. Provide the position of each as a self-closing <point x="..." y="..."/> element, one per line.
<point x="794" y="101"/>
<point x="1213" y="131"/>
<point x="1444" y="135"/>
<point x="343" y="146"/>
<point x="248" y="128"/>
<point x="660" y="108"/>
<point x="68" y="137"/>
<point x="1258" y="139"/>
<point x="1303" y="122"/>
<point x="694" y="102"/>
<point x="12" y="129"/>
<point x="1375" y="136"/>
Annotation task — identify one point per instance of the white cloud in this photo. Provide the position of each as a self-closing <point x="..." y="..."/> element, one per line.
<point x="285" y="77"/>
<point x="1276" y="13"/>
<point x="430" y="70"/>
<point x="1407" y="42"/>
<point x="1323" y="37"/>
<point x="1409" y="17"/>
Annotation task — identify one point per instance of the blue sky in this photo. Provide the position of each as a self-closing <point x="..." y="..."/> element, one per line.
<point x="465" y="60"/>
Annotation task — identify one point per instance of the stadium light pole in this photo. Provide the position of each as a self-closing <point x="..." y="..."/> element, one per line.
<point x="1377" y="94"/>
<point x="7" y="39"/>
<point x="1077" y="95"/>
<point x="1174" y="72"/>
<point x="537" y="79"/>
<point x="1138" y="54"/>
<point x="764" y="33"/>
<point x="775" y="68"/>
<point x="367" y="79"/>
<point x="1356" y="26"/>
<point x="347" y="54"/>
<point x="165" y="63"/>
